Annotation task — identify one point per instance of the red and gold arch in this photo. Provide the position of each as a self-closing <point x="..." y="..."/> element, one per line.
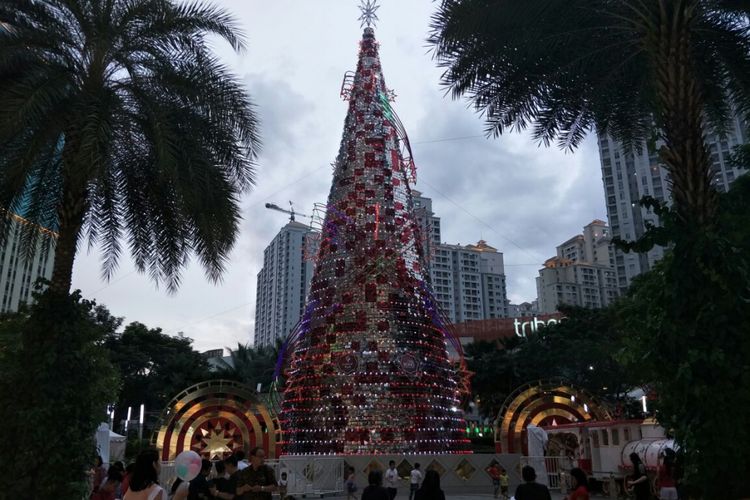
<point x="542" y="403"/>
<point x="215" y="419"/>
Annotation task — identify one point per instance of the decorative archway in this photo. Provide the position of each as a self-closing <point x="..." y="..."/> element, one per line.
<point x="542" y="403"/>
<point x="216" y="418"/>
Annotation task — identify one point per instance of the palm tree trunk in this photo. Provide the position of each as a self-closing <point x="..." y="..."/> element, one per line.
<point x="70" y="218"/>
<point x="681" y="117"/>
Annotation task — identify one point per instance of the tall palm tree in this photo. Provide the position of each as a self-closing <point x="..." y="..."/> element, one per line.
<point x="636" y="69"/>
<point x="117" y="120"/>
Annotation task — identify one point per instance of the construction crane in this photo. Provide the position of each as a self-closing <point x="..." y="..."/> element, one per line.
<point x="291" y="212"/>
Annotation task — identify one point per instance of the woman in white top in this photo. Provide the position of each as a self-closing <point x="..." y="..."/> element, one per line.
<point x="144" y="485"/>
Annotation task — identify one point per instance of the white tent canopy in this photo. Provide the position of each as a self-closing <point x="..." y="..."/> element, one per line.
<point x="110" y="445"/>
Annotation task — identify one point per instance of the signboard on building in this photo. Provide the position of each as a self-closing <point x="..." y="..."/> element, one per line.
<point x="500" y="328"/>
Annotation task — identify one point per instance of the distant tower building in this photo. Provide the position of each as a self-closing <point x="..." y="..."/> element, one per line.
<point x="523" y="310"/>
<point x="429" y="224"/>
<point x="469" y="281"/>
<point x="18" y="274"/>
<point x="628" y="177"/>
<point x="283" y="283"/>
<point x="581" y="274"/>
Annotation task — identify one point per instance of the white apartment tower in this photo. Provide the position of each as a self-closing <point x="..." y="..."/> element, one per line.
<point x="283" y="283"/>
<point x="581" y="274"/>
<point x="19" y="272"/>
<point x="629" y="176"/>
<point x="469" y="281"/>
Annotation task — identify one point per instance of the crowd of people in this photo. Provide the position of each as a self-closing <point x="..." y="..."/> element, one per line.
<point x="233" y="478"/>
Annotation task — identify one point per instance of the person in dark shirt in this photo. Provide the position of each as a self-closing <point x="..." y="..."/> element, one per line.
<point x="225" y="486"/>
<point x="430" y="489"/>
<point x="375" y="490"/>
<point x="200" y="488"/>
<point x="531" y="490"/>
<point x="257" y="481"/>
<point x="639" y="484"/>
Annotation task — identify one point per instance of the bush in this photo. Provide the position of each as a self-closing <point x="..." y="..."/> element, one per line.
<point x="55" y="384"/>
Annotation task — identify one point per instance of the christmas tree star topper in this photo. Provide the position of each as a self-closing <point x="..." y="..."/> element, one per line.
<point x="368" y="8"/>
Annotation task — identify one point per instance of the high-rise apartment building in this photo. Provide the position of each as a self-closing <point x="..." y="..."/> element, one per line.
<point x="581" y="274"/>
<point x="628" y="176"/>
<point x="429" y="224"/>
<point x="19" y="271"/>
<point x="523" y="310"/>
<point x="283" y="283"/>
<point x="469" y="281"/>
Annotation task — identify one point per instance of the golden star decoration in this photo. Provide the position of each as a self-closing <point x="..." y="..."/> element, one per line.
<point x="215" y="441"/>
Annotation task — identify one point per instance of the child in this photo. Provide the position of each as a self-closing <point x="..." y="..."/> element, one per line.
<point x="494" y="472"/>
<point x="282" y="485"/>
<point x="504" y="482"/>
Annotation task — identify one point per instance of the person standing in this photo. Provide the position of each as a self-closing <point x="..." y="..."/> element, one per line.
<point x="283" y="484"/>
<point x="256" y="481"/>
<point x="415" y="477"/>
<point x="144" y="484"/>
<point x="530" y="489"/>
<point x="351" y="485"/>
<point x="375" y="490"/>
<point x="430" y="489"/>
<point x="108" y="489"/>
<point x="230" y="463"/>
<point x="639" y="482"/>
<point x="98" y="475"/>
<point x="180" y="490"/>
<point x="504" y="483"/>
<point x="391" y="480"/>
<point x="126" y="478"/>
<point x="200" y="488"/>
<point x="580" y="485"/>
<point x="494" y="472"/>
<point x="667" y="479"/>
<point x="223" y="485"/>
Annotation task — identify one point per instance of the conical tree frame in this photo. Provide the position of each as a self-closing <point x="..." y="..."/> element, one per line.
<point x="370" y="371"/>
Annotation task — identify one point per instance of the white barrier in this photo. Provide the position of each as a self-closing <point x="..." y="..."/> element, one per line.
<point x="556" y="468"/>
<point x="311" y="476"/>
<point x="306" y="476"/>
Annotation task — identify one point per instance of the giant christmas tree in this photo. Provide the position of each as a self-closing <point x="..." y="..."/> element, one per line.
<point x="369" y="371"/>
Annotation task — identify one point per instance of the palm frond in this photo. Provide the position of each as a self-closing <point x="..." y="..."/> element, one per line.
<point x="160" y="137"/>
<point x="564" y="67"/>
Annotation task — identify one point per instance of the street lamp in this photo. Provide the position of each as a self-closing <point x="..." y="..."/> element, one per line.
<point x="140" y="422"/>
<point x="127" y="420"/>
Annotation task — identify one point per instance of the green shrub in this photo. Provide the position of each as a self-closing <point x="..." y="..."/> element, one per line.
<point x="55" y="384"/>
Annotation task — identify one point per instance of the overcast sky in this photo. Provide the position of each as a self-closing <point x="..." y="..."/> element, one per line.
<point x="522" y="198"/>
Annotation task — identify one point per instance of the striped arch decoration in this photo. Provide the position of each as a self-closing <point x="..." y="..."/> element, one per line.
<point x="215" y="419"/>
<point x="542" y="403"/>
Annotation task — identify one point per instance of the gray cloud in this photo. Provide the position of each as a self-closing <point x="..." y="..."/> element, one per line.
<point x="531" y="198"/>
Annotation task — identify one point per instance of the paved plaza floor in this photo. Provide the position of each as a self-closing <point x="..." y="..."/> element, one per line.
<point x="449" y="495"/>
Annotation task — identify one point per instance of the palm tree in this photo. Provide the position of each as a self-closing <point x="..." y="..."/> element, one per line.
<point x="636" y="69"/>
<point x="116" y="120"/>
<point x="249" y="365"/>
